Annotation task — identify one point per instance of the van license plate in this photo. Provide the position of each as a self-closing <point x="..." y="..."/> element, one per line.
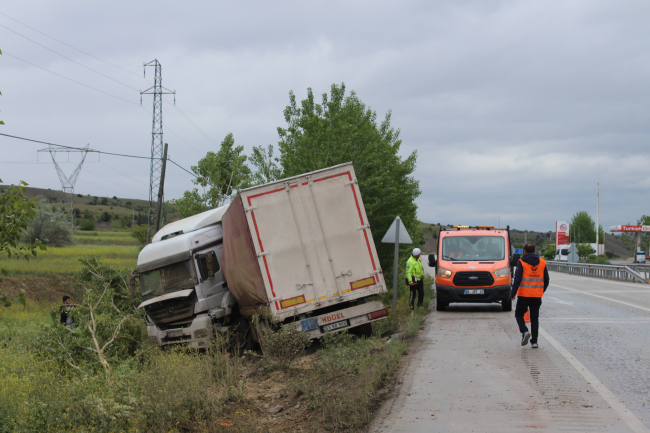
<point x="336" y="325"/>
<point x="473" y="291"/>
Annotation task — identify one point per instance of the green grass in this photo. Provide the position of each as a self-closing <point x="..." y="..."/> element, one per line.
<point x="63" y="260"/>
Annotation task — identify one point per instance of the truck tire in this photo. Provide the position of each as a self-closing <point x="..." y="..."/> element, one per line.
<point x="364" y="330"/>
<point x="440" y="305"/>
<point x="506" y="304"/>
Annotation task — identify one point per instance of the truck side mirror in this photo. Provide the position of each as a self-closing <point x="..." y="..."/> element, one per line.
<point x="432" y="260"/>
<point x="513" y="261"/>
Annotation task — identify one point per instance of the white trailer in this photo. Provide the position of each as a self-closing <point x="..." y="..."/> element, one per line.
<point x="298" y="250"/>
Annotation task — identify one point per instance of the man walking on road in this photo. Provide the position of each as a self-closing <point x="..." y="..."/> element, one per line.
<point x="531" y="281"/>
<point x="415" y="277"/>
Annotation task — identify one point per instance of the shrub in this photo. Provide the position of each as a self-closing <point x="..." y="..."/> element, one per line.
<point x="87" y="224"/>
<point x="105" y="217"/>
<point x="108" y="327"/>
<point x="139" y="233"/>
<point x="281" y="345"/>
<point x="597" y="260"/>
<point x="50" y="225"/>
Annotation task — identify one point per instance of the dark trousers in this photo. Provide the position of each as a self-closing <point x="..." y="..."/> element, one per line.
<point x="524" y="303"/>
<point x="419" y="287"/>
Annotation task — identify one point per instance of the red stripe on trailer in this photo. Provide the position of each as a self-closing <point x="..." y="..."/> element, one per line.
<point x="263" y="193"/>
<point x="356" y="201"/>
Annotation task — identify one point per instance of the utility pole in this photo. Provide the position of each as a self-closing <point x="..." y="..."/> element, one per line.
<point x="157" y="90"/>
<point x="68" y="182"/>
<point x="160" y="190"/>
<point x="598" y="212"/>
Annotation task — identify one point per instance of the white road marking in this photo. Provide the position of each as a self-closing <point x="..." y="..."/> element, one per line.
<point x="603" y="297"/>
<point x="627" y="416"/>
<point x="560" y="301"/>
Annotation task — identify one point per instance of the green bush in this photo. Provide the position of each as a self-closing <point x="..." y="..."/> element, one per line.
<point x="87" y="224"/>
<point x="280" y="345"/>
<point x="50" y="225"/>
<point x="597" y="260"/>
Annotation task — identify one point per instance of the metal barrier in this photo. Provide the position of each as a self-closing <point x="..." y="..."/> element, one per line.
<point x="629" y="273"/>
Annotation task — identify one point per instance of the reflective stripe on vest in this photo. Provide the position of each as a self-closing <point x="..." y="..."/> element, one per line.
<point x="532" y="280"/>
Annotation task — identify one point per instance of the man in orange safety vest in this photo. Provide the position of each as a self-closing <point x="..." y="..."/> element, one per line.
<point x="531" y="281"/>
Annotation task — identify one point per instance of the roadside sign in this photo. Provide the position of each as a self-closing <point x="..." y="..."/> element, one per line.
<point x="396" y="234"/>
<point x="397" y="231"/>
<point x="573" y="254"/>
<point x="519" y="251"/>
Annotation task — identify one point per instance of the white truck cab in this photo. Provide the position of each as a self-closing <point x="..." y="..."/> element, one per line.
<point x="181" y="280"/>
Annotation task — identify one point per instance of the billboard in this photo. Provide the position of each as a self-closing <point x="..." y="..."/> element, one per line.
<point x="561" y="233"/>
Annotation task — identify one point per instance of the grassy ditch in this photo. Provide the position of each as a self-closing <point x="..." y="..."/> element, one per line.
<point x="334" y="386"/>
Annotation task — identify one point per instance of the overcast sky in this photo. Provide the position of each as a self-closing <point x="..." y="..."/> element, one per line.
<point x="511" y="106"/>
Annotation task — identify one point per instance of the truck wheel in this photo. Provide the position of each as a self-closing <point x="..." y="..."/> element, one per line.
<point x="364" y="330"/>
<point x="440" y="305"/>
<point x="506" y="304"/>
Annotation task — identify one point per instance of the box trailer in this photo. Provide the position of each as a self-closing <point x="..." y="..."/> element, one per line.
<point x="298" y="250"/>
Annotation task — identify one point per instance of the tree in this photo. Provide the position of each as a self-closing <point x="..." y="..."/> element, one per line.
<point x="548" y="251"/>
<point x="220" y="175"/>
<point x="109" y="327"/>
<point x="342" y="129"/>
<point x="16" y="211"/>
<point x="50" y="225"/>
<point x="87" y="224"/>
<point x="139" y="233"/>
<point x="267" y="166"/>
<point x="584" y="250"/>
<point x="105" y="217"/>
<point x="583" y="229"/>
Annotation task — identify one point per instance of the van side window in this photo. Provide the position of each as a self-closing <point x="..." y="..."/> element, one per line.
<point x="208" y="264"/>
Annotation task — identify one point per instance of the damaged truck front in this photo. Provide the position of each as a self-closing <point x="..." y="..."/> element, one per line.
<point x="298" y="251"/>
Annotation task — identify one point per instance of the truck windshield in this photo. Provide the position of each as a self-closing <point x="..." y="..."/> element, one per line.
<point x="167" y="279"/>
<point x="473" y="248"/>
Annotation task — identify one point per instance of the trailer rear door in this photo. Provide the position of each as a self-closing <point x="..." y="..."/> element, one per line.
<point x="312" y="239"/>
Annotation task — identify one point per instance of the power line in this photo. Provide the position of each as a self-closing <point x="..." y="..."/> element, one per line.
<point x="94" y="151"/>
<point x="69" y="79"/>
<point x="68" y="58"/>
<point x="127" y="176"/>
<point x="68" y="45"/>
<point x="181" y="167"/>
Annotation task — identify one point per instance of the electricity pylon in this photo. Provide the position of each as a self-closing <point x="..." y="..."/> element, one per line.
<point x="67" y="182"/>
<point x="157" y="90"/>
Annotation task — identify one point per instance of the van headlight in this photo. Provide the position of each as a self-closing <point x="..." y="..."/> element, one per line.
<point x="502" y="272"/>
<point x="444" y="273"/>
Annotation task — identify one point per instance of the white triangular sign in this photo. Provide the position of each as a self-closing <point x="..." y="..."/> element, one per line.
<point x="404" y="238"/>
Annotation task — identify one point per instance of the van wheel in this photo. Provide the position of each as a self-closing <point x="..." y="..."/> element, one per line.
<point x="441" y="305"/>
<point x="506" y="304"/>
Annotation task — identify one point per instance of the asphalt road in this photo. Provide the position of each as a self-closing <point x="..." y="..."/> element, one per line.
<point x="590" y="374"/>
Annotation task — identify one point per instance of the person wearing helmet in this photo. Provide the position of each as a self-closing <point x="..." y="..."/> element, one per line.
<point x="415" y="278"/>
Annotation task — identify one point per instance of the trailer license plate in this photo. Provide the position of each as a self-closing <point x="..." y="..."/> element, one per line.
<point x="473" y="291"/>
<point x="336" y="325"/>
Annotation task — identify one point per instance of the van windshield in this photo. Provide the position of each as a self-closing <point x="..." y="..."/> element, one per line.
<point x="473" y="248"/>
<point x="564" y="252"/>
<point x="167" y="279"/>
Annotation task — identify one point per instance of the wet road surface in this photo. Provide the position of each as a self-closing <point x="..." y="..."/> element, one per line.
<point x="590" y="374"/>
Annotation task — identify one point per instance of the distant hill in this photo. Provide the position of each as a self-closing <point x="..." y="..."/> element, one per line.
<point x="612" y="243"/>
<point x="117" y="206"/>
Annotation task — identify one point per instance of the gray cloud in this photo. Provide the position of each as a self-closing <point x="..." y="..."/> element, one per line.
<point x="511" y="106"/>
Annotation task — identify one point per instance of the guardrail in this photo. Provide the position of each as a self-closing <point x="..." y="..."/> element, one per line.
<point x="629" y="273"/>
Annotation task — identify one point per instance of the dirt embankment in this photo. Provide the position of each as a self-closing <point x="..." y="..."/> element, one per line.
<point x="38" y="289"/>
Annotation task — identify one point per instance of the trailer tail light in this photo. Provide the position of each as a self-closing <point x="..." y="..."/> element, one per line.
<point x="378" y="314"/>
<point x="292" y="301"/>
<point x="360" y="284"/>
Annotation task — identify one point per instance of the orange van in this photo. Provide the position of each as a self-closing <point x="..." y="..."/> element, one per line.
<point x="474" y="264"/>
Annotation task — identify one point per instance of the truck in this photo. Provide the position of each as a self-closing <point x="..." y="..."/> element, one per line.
<point x="562" y="251"/>
<point x="474" y="264"/>
<point x="297" y="251"/>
